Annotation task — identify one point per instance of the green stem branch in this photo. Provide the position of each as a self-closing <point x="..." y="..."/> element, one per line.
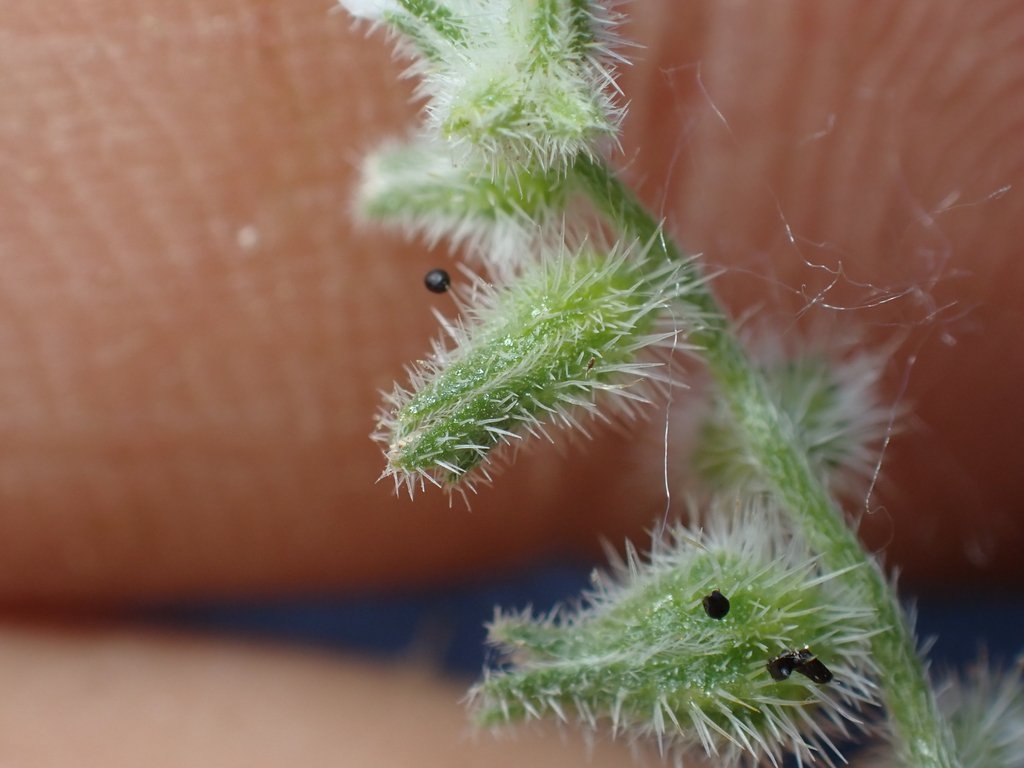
<point x="923" y="736"/>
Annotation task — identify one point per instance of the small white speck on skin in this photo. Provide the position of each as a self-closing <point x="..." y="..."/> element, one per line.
<point x="247" y="237"/>
<point x="948" y="201"/>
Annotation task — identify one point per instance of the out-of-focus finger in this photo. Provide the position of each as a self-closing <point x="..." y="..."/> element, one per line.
<point x="121" y="696"/>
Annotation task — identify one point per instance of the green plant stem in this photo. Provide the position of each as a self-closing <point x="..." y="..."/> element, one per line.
<point x="923" y="737"/>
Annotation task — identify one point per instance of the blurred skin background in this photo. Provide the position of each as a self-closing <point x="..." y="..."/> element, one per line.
<point x="193" y="335"/>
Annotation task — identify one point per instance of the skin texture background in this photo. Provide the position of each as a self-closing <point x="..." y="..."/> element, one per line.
<point x="193" y="333"/>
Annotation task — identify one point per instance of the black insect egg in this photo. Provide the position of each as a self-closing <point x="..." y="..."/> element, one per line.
<point x="716" y="605"/>
<point x="815" y="670"/>
<point x="803" y="661"/>
<point x="781" y="667"/>
<point x="437" y="281"/>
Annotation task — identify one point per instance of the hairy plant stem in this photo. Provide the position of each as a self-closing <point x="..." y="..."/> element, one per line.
<point x="923" y="737"/>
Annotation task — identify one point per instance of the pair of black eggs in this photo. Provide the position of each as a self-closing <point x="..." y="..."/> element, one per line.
<point x="716" y="605"/>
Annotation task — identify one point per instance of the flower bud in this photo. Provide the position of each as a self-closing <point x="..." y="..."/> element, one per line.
<point x="985" y="708"/>
<point x="832" y="400"/>
<point x="784" y="668"/>
<point x="511" y="82"/>
<point x="531" y="354"/>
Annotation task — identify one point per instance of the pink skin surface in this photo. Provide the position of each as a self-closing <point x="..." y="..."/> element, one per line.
<point x="194" y="334"/>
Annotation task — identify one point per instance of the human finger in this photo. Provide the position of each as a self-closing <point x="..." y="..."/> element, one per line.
<point x="126" y="696"/>
<point x="194" y="334"/>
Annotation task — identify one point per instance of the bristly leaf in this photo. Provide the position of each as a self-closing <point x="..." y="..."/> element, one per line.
<point x="533" y="354"/>
<point x="641" y="656"/>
